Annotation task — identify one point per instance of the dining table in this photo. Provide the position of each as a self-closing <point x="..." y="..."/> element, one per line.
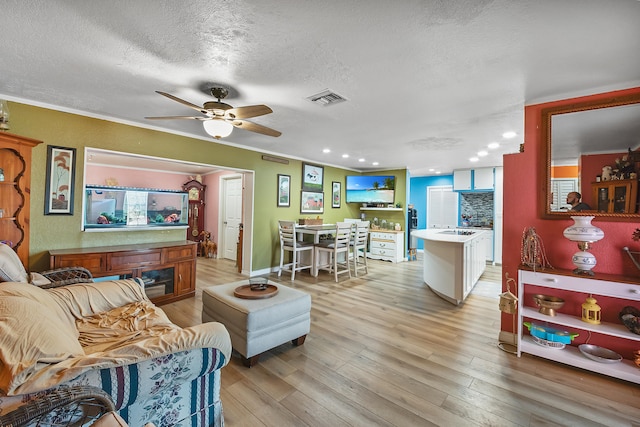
<point x="315" y="231"/>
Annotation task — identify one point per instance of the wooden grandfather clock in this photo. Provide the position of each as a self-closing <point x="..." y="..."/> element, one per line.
<point x="196" y="209"/>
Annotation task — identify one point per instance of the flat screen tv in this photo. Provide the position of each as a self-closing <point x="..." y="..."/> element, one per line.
<point x="370" y="189"/>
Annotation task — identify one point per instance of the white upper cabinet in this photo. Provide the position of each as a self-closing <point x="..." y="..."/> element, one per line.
<point x="483" y="179"/>
<point x="462" y="180"/>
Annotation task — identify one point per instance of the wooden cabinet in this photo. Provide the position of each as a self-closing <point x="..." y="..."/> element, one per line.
<point x="387" y="245"/>
<point x="15" y="192"/>
<point x="619" y="196"/>
<point x="624" y="291"/>
<point x="168" y="270"/>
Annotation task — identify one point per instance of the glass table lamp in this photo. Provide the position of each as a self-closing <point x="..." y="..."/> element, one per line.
<point x="584" y="234"/>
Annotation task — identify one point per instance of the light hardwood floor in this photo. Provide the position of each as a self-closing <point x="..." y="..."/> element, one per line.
<point x="385" y="351"/>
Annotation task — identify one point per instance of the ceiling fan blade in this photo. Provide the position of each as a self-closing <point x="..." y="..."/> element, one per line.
<point x="177" y="117"/>
<point x="254" y="127"/>
<point x="247" y="112"/>
<point x="183" y="102"/>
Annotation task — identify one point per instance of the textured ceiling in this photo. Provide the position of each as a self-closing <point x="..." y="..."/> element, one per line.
<point x="429" y="83"/>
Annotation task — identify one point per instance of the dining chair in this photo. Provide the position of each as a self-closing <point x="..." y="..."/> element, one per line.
<point x="289" y="242"/>
<point x="359" y="242"/>
<point x="333" y="247"/>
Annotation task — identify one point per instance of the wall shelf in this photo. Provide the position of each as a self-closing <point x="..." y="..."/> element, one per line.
<point x="382" y="209"/>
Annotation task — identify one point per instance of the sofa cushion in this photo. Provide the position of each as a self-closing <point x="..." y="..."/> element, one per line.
<point x="11" y="268"/>
<point x="31" y="334"/>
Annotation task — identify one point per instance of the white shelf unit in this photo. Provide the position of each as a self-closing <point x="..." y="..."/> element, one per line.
<point x="570" y="355"/>
<point x="382" y="209"/>
<point x="386" y="245"/>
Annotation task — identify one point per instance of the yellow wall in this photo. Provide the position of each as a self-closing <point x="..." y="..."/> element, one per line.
<point x="75" y="131"/>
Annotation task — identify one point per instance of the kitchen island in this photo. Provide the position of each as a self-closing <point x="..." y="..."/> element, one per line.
<point x="454" y="260"/>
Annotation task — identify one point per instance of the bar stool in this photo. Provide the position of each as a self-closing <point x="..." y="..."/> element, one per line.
<point x="289" y="242"/>
<point x="334" y="247"/>
<point x="360" y="242"/>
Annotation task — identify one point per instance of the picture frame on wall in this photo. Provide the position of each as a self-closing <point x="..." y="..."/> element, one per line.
<point x="284" y="191"/>
<point x="312" y="177"/>
<point x="61" y="166"/>
<point x="336" y="196"/>
<point x="312" y="202"/>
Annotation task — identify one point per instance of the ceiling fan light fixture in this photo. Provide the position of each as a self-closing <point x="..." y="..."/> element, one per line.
<point x="217" y="128"/>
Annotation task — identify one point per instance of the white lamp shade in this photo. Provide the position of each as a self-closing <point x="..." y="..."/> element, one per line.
<point x="582" y="230"/>
<point x="217" y="128"/>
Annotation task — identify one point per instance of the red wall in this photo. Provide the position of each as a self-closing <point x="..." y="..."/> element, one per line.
<point x="521" y="210"/>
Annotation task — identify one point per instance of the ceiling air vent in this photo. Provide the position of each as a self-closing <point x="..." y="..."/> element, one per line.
<point x="326" y="97"/>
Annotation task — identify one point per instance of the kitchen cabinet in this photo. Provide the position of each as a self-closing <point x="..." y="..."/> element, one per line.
<point x="617" y="196"/>
<point x="627" y="291"/>
<point x="481" y="179"/>
<point x="462" y="180"/>
<point x="387" y="245"/>
<point x="488" y="243"/>
<point x="15" y="192"/>
<point x="453" y="261"/>
<point x="167" y="269"/>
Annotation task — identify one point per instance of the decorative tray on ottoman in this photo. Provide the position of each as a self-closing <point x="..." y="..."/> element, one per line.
<point x="258" y="288"/>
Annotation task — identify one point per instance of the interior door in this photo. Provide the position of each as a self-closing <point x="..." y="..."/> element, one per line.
<point x="232" y="215"/>
<point x="442" y="207"/>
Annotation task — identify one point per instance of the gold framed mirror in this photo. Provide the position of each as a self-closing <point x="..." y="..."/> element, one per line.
<point x="579" y="134"/>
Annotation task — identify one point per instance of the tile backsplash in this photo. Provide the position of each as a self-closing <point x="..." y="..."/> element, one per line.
<point x="479" y="206"/>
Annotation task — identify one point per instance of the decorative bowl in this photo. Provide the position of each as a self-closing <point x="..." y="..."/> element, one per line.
<point x="548" y="304"/>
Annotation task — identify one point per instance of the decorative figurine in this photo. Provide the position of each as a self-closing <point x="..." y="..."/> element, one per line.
<point x="532" y="252"/>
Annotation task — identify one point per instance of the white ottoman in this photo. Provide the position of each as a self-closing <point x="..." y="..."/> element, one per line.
<point x="258" y="325"/>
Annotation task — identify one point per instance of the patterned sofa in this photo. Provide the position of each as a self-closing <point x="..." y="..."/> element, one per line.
<point x="108" y="334"/>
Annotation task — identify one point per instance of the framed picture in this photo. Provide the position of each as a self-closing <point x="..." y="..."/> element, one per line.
<point x="284" y="190"/>
<point x="61" y="166"/>
<point x="335" y="194"/>
<point x="311" y="202"/>
<point x="312" y="176"/>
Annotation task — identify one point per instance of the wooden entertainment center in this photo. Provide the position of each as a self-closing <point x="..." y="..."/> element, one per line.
<point x="168" y="269"/>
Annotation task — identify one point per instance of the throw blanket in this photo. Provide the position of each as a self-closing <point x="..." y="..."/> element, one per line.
<point x="48" y="337"/>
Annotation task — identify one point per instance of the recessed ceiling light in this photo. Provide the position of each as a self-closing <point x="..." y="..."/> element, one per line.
<point x="326" y="150"/>
<point x="431" y="170"/>
<point x="361" y="160"/>
<point x="344" y="156"/>
<point x="375" y="163"/>
<point x="438" y="173"/>
<point x="473" y="159"/>
<point x="508" y="135"/>
<point x="493" y="145"/>
<point x="482" y="153"/>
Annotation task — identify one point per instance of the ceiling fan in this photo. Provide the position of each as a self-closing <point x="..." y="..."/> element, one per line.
<point x="219" y="118"/>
